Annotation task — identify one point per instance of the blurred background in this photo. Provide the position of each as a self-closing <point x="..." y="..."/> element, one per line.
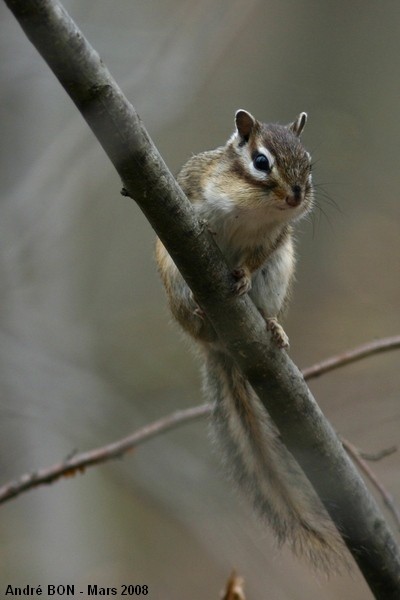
<point x="88" y="353"/>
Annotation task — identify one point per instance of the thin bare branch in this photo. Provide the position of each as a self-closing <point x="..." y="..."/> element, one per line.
<point x="78" y="463"/>
<point x="376" y="456"/>
<point x="388" y="499"/>
<point x="353" y="355"/>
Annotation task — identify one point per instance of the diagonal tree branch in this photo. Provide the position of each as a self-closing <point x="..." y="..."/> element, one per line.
<point x="277" y="381"/>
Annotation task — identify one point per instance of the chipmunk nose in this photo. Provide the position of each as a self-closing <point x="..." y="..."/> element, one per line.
<point x="294" y="199"/>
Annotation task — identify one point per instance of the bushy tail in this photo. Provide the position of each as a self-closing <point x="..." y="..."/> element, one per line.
<point x="265" y="470"/>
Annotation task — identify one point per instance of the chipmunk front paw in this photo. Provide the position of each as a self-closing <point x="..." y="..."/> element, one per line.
<point x="278" y="334"/>
<point x="242" y="284"/>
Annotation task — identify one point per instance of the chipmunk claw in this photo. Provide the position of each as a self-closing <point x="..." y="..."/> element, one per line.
<point x="197" y="310"/>
<point x="242" y="284"/>
<point x="278" y="334"/>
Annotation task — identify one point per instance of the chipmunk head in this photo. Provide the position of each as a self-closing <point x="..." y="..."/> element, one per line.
<point x="271" y="161"/>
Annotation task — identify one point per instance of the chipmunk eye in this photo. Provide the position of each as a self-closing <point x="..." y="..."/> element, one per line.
<point x="261" y="163"/>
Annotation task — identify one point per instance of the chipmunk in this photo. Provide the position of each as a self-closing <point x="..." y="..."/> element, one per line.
<point x="249" y="192"/>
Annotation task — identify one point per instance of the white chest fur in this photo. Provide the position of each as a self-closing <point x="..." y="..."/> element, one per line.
<point x="239" y="231"/>
<point x="237" y="228"/>
<point x="270" y="284"/>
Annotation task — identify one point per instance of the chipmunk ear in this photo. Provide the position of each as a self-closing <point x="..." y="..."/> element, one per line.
<point x="298" y="125"/>
<point x="244" y="122"/>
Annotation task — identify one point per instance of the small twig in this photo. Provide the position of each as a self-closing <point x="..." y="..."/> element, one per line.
<point x="382" y="345"/>
<point x="358" y="458"/>
<point x="376" y="456"/>
<point x="124" y="192"/>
